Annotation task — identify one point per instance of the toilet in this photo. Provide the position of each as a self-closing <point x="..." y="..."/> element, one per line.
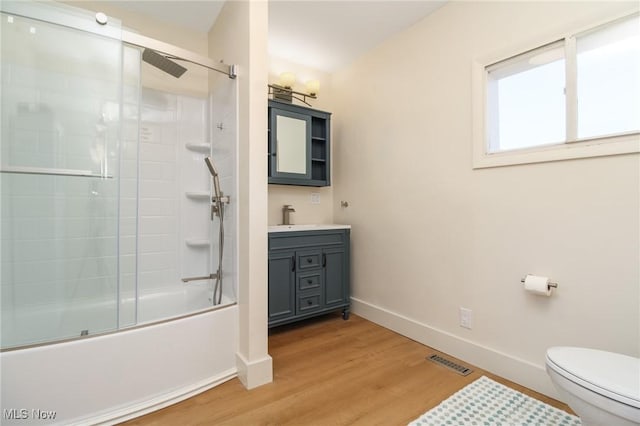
<point x="603" y="388"/>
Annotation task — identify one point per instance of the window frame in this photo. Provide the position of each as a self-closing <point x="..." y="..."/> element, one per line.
<point x="572" y="147"/>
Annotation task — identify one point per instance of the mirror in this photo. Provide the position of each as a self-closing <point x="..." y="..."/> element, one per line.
<point x="291" y="145"/>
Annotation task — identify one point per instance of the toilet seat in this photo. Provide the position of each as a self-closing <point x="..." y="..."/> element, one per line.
<point x="612" y="375"/>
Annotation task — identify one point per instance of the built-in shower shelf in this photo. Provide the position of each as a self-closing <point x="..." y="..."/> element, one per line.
<point x="197" y="195"/>
<point x="199" y="147"/>
<point x="198" y="243"/>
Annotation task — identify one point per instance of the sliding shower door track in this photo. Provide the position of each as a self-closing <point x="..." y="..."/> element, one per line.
<point x="120" y="330"/>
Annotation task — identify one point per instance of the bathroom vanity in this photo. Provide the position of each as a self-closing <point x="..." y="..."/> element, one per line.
<point x="308" y="271"/>
<point x="298" y="145"/>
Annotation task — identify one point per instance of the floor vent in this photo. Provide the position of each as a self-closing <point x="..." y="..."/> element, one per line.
<point x="460" y="369"/>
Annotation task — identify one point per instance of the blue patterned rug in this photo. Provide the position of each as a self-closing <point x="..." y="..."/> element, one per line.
<point x="486" y="402"/>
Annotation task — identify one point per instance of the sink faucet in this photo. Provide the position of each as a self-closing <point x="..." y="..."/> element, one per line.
<point x="286" y="210"/>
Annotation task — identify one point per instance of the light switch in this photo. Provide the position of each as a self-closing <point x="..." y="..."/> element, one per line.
<point x="315" y="198"/>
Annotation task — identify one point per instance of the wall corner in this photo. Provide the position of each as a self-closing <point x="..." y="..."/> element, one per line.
<point x="255" y="373"/>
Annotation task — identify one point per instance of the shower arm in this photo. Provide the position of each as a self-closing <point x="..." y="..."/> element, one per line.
<point x="177" y="52"/>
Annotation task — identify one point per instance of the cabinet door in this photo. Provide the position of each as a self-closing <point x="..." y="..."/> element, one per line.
<point x="290" y="144"/>
<point x="282" y="280"/>
<point x="335" y="276"/>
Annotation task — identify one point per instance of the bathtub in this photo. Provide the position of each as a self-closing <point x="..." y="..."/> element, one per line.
<point x="108" y="378"/>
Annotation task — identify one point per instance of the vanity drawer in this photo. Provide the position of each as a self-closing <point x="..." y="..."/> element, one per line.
<point x="306" y="239"/>
<point x="308" y="303"/>
<point x="309" y="280"/>
<point x="309" y="259"/>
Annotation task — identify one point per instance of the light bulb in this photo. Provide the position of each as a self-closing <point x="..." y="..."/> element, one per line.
<point x="287" y="79"/>
<point x="313" y="87"/>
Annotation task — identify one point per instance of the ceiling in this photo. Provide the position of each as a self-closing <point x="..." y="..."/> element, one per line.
<point x="321" y="34"/>
<point x="328" y="35"/>
<point x="196" y="15"/>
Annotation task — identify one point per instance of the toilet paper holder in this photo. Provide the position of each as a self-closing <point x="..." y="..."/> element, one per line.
<point x="550" y="285"/>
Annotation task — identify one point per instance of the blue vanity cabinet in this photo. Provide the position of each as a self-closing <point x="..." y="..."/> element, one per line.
<point x="298" y="145"/>
<point x="308" y="274"/>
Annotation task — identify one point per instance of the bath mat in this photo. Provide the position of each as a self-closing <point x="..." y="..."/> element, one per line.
<point x="486" y="402"/>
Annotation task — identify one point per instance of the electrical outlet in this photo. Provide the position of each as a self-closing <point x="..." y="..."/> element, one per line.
<point x="315" y="198"/>
<point x="466" y="317"/>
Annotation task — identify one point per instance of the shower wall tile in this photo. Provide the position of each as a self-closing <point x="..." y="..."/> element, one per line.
<point x="128" y="189"/>
<point x="151" y="262"/>
<point x="159" y="189"/>
<point x="158" y="171"/>
<point x="129" y="173"/>
<point x="159" y="260"/>
<point x="157" y="152"/>
<point x="157" y="194"/>
<point x="150" y="225"/>
<point x="155" y="206"/>
<point x="153" y="280"/>
<point x="157" y="243"/>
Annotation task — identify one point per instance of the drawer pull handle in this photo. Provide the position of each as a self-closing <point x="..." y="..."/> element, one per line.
<point x="309" y="281"/>
<point x="309" y="302"/>
<point x="309" y="260"/>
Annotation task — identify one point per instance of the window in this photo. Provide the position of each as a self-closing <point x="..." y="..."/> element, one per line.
<point x="524" y="93"/>
<point x="565" y="99"/>
<point x="608" y="71"/>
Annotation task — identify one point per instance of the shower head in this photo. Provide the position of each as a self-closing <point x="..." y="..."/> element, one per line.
<point x="216" y="183"/>
<point x="212" y="168"/>
<point x="162" y="63"/>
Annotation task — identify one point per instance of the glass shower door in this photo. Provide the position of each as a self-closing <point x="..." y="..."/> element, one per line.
<point x="59" y="182"/>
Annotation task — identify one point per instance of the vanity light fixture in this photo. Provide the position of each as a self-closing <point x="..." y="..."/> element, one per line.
<point x="284" y="92"/>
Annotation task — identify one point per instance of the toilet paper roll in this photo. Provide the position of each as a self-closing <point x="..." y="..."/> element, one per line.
<point x="537" y="285"/>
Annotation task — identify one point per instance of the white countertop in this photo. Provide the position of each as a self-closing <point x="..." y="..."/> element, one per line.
<point x="311" y="227"/>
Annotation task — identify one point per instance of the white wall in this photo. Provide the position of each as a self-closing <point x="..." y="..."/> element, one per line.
<point x="431" y="235"/>
<point x="240" y="37"/>
<point x="300" y="196"/>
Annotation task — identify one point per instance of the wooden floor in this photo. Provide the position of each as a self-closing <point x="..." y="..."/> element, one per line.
<point x="331" y="372"/>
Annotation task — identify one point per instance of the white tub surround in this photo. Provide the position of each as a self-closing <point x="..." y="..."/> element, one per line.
<point x="108" y="379"/>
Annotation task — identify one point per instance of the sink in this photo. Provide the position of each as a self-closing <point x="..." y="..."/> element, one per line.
<point x="306" y="227"/>
<point x="293" y="227"/>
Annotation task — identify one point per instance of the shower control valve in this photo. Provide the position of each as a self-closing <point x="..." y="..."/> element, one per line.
<point x="217" y="204"/>
<point x="225" y="199"/>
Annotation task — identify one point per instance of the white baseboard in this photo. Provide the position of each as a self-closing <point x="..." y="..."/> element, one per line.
<point x="510" y="367"/>
<point x="255" y="373"/>
<point x="161" y="401"/>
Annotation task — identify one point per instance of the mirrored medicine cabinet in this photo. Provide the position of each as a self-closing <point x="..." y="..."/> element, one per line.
<point x="298" y="145"/>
